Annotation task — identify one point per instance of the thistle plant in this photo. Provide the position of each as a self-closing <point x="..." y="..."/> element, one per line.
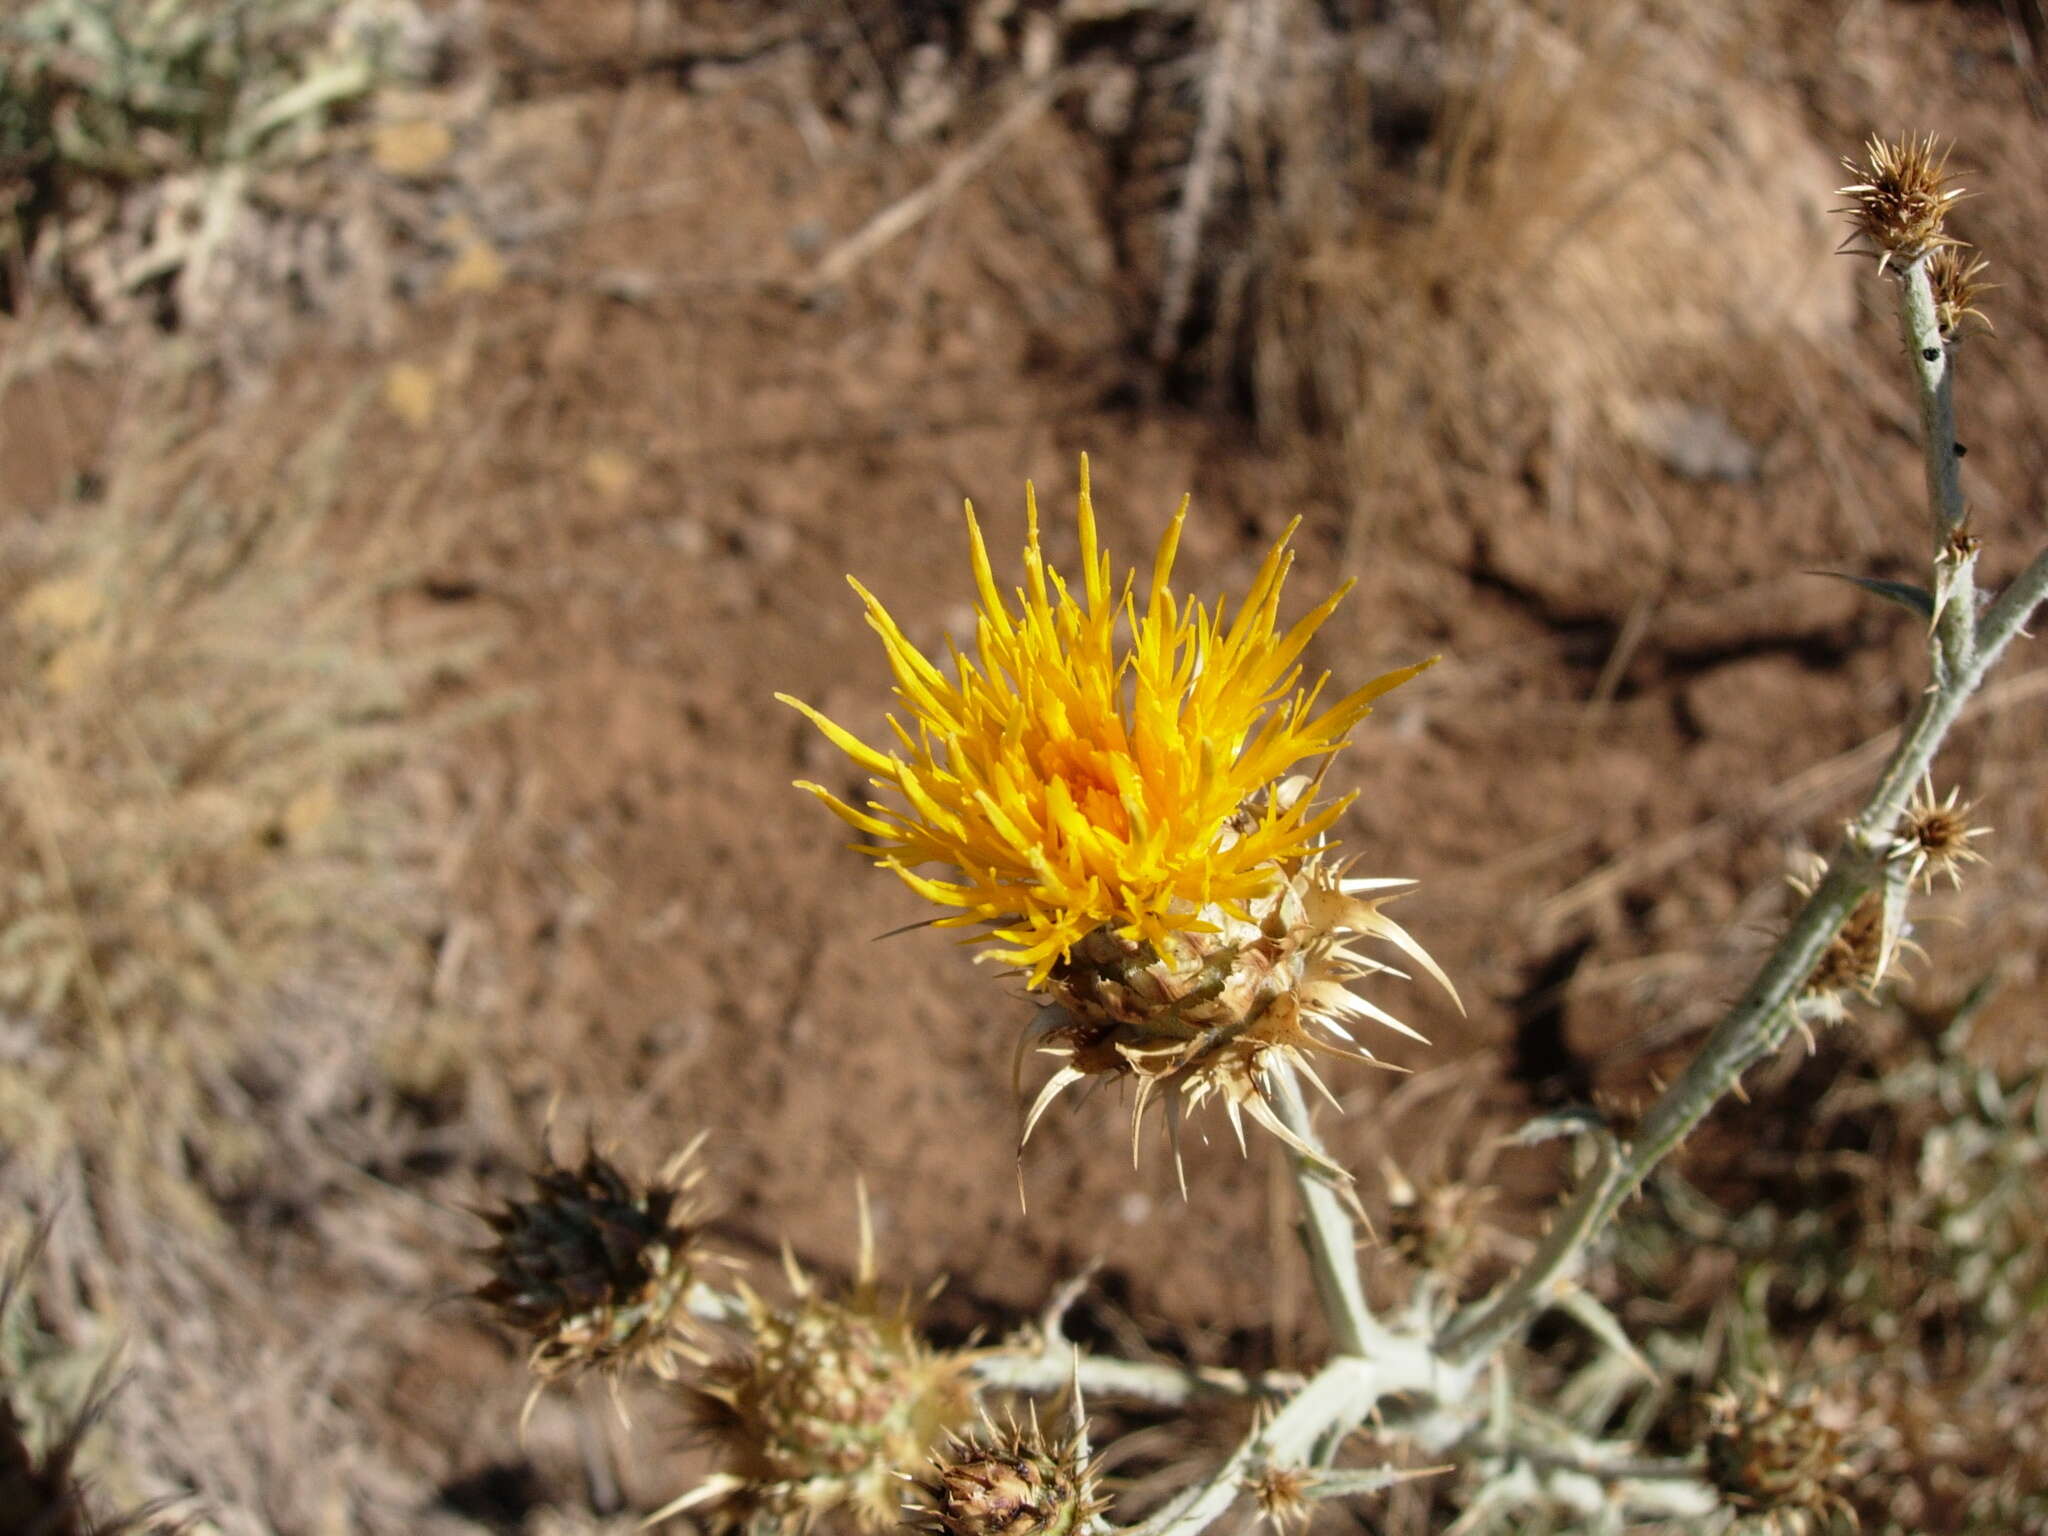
<point x="1131" y="800"/>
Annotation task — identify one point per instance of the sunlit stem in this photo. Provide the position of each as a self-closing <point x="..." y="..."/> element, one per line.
<point x="1327" y="1229"/>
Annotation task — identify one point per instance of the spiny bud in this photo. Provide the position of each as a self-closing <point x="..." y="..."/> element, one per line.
<point x="1900" y="198"/>
<point x="1956" y="272"/>
<point x="831" y="1399"/>
<point x="1008" y="1482"/>
<point x="595" y="1270"/>
<point x="1770" y="1453"/>
<point x="1937" y="836"/>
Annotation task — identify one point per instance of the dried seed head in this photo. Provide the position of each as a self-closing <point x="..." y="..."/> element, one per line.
<point x="1963" y="542"/>
<point x="1937" y="836"/>
<point x="1285" y="1497"/>
<point x="1957" y="272"/>
<point x="831" y="1401"/>
<point x="1008" y="1482"/>
<point x="1770" y="1453"/>
<point x="1854" y="958"/>
<point x="596" y="1271"/>
<point x="1900" y="198"/>
<point x="38" y="1492"/>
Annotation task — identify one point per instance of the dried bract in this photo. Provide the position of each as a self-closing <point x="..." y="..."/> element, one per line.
<point x="1900" y="198"/>
<point x="596" y="1270"/>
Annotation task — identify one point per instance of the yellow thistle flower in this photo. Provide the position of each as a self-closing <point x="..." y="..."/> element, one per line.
<point x="1123" y="819"/>
<point x="1073" y="783"/>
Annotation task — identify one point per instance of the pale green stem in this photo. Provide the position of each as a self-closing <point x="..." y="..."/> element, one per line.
<point x="1934" y="374"/>
<point x="1955" y="556"/>
<point x="1327" y="1230"/>
<point x="1372" y="1362"/>
<point x="1163" y="1384"/>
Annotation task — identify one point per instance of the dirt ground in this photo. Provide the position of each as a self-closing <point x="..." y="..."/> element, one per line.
<point x="644" y="456"/>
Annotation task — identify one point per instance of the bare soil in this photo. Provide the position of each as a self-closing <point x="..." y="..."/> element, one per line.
<point x="658" y="463"/>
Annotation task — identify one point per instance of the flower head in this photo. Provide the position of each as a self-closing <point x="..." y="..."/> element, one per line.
<point x="1123" y="816"/>
<point x="1772" y="1453"/>
<point x="1937" y="836"/>
<point x="1070" y="782"/>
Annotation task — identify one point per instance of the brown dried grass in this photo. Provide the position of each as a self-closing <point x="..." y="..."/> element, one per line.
<point x="1597" y="192"/>
<point x="219" y="879"/>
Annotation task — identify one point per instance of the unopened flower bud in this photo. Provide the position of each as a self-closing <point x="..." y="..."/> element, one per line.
<point x="1012" y="1482"/>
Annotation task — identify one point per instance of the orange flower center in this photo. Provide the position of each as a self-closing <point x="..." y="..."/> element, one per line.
<point x="1084" y="768"/>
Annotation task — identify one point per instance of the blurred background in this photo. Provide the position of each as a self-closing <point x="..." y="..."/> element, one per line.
<point x="430" y="432"/>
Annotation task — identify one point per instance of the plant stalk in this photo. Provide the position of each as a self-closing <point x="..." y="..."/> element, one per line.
<point x="1962" y="650"/>
<point x="1327" y="1229"/>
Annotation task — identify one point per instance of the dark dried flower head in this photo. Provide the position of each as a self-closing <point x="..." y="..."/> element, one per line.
<point x="595" y="1270"/>
<point x="1008" y="1482"/>
<point x="1900" y="198"/>
<point x="1770" y="1454"/>
<point x="39" y="1494"/>
<point x="1957" y="273"/>
<point x="1937" y="836"/>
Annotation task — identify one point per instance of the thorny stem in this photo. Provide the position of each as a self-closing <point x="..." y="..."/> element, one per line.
<point x="1341" y="1393"/>
<point x="1157" y="1382"/>
<point x="1934" y="373"/>
<point x="1963" y="648"/>
<point x="1955" y="555"/>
